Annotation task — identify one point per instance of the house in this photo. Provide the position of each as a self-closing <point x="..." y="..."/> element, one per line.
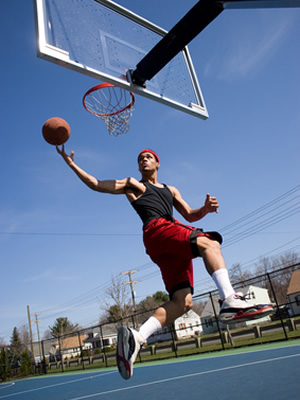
<point x="186" y="326"/>
<point x="70" y="346"/>
<point x="96" y="341"/>
<point x="293" y="294"/>
<point x="189" y="324"/>
<point x="40" y="349"/>
<point x="254" y="293"/>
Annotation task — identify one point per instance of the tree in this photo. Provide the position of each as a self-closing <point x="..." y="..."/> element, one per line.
<point x="154" y="301"/>
<point x="26" y="367"/>
<point x="236" y="274"/>
<point x="199" y="306"/>
<point x="280" y="279"/>
<point x="5" y="371"/>
<point x="24" y="335"/>
<point x="47" y="334"/>
<point x="16" y="347"/>
<point x="161" y="297"/>
<point x="122" y="306"/>
<point x="62" y="326"/>
<point x="150" y="303"/>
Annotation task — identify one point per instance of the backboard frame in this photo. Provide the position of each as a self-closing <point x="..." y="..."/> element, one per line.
<point x="61" y="57"/>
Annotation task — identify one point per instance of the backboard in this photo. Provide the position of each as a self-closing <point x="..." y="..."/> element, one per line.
<point x="103" y="40"/>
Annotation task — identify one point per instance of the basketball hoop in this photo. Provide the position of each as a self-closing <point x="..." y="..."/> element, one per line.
<point x="112" y="104"/>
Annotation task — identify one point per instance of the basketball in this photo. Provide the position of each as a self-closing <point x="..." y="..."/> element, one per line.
<point x="56" y="131"/>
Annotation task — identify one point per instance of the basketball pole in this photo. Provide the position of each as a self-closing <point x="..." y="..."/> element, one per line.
<point x="195" y="21"/>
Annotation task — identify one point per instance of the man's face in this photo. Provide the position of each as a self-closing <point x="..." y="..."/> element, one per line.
<point x="147" y="162"/>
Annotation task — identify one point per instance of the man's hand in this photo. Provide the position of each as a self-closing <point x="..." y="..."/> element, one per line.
<point x="211" y="204"/>
<point x="69" y="159"/>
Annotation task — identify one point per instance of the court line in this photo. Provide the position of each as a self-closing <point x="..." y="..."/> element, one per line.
<point x="6" y="385"/>
<point x="57" y="384"/>
<point x="184" y="377"/>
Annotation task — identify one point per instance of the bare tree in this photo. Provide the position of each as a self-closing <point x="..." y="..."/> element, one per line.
<point x="263" y="266"/>
<point x="280" y="277"/>
<point x="199" y="306"/>
<point x="121" y="307"/>
<point x="47" y="334"/>
<point x="237" y="275"/>
<point x="24" y="335"/>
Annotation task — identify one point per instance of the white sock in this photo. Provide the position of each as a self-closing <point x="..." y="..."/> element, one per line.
<point x="151" y="326"/>
<point x="221" y="279"/>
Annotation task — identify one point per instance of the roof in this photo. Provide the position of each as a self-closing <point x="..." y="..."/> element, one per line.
<point x="294" y="286"/>
<point x="70" y="342"/>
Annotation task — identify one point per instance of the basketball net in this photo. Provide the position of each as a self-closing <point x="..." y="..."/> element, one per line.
<point x="112" y="104"/>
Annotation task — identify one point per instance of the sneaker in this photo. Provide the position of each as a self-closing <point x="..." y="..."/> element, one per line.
<point x="236" y="308"/>
<point x="128" y="347"/>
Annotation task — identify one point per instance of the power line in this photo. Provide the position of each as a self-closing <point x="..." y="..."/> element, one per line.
<point x="68" y="234"/>
<point x="260" y="227"/>
<point x="267" y="213"/>
<point x="263" y="217"/>
<point x="262" y="208"/>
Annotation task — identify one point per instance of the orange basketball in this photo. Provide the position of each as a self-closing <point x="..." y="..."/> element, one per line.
<point x="56" y="131"/>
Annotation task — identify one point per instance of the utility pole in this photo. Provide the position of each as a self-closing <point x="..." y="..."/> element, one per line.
<point x="131" y="283"/>
<point x="30" y="332"/>
<point x="38" y="333"/>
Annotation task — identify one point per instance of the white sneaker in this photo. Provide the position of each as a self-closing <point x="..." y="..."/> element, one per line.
<point x="236" y="308"/>
<point x="128" y="347"/>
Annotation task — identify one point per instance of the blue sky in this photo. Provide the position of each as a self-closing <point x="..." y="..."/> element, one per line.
<point x="61" y="243"/>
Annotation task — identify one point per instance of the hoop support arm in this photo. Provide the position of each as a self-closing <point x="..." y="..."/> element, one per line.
<point x="204" y="12"/>
<point x="195" y="21"/>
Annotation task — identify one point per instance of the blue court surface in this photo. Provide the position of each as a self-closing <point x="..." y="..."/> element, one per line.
<point x="271" y="373"/>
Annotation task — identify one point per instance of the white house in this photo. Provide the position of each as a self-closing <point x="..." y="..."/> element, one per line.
<point x="97" y="342"/>
<point x="188" y="325"/>
<point x="293" y="293"/>
<point x="254" y="293"/>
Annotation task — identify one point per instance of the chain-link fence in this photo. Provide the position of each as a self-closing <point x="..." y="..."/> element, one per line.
<point x="198" y="331"/>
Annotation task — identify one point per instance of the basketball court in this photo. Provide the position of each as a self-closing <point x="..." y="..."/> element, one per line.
<point x="269" y="372"/>
<point x="133" y="57"/>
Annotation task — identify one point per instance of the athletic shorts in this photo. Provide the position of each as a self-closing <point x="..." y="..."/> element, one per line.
<point x="172" y="246"/>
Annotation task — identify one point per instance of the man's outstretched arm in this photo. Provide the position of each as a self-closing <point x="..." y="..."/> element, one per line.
<point x="105" y="186"/>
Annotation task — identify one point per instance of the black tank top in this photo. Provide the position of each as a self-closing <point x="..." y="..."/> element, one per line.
<point x="155" y="203"/>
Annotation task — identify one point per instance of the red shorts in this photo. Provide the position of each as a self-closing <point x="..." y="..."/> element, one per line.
<point x="172" y="246"/>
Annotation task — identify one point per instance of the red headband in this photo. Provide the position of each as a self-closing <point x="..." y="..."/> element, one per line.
<point x="149" y="151"/>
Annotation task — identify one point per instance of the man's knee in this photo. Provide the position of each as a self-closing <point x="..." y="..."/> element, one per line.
<point x="183" y="299"/>
<point x="188" y="303"/>
<point x="205" y="243"/>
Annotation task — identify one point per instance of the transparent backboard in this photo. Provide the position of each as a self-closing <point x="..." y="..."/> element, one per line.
<point x="103" y="40"/>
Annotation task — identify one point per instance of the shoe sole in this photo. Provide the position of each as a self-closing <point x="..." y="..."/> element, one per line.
<point x="123" y="364"/>
<point x="242" y="316"/>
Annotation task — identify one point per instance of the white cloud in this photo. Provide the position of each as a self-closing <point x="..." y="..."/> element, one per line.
<point x="51" y="275"/>
<point x="239" y="56"/>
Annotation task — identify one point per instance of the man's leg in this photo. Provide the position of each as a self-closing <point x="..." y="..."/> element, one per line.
<point x="180" y="303"/>
<point x="235" y="307"/>
<point x="210" y="251"/>
<point x="130" y="341"/>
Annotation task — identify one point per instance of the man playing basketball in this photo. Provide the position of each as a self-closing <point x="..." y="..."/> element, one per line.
<point x="172" y="246"/>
